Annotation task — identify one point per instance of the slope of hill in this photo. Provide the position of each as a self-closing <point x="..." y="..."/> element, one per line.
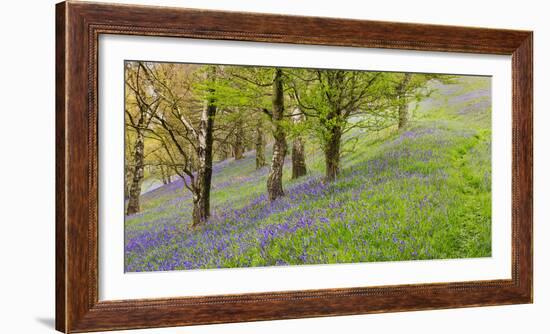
<point x="422" y="193"/>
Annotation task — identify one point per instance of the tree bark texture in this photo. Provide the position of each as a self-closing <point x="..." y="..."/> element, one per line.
<point x="200" y="215"/>
<point x="127" y="181"/>
<point x="201" y="200"/>
<point x="332" y="153"/>
<point x="137" y="179"/>
<point x="275" y="177"/>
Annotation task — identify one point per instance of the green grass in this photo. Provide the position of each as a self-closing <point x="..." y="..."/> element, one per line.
<point x="419" y="193"/>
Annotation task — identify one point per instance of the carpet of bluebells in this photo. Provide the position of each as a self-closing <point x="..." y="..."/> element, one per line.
<point x="422" y="193"/>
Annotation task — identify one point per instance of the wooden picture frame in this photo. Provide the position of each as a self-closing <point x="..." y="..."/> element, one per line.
<point x="78" y="26"/>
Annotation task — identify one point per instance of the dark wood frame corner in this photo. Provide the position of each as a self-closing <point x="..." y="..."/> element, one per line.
<point x="78" y="26"/>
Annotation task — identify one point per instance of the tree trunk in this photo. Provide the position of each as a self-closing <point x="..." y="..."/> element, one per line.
<point x="403" y="101"/>
<point x="137" y="179"/>
<point x="167" y="177"/>
<point x="200" y="213"/>
<point x="224" y="151"/>
<point x="298" y="159"/>
<point x="403" y="116"/>
<point x="238" y="145"/>
<point x="201" y="201"/>
<point x="275" y="177"/>
<point x="127" y="182"/>
<point x="163" y="175"/>
<point x="298" y="154"/>
<point x="260" y="146"/>
<point x="332" y="153"/>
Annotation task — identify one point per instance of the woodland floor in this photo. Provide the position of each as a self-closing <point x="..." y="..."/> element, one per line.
<point x="419" y="193"/>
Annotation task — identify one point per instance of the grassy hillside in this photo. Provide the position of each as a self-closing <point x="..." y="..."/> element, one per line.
<point x="422" y="193"/>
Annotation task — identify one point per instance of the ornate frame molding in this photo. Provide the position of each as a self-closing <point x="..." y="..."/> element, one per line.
<point x="78" y="26"/>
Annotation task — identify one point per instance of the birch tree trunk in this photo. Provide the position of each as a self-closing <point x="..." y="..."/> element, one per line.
<point x="199" y="210"/>
<point x="201" y="198"/>
<point x="127" y="182"/>
<point x="137" y="178"/>
<point x="275" y="177"/>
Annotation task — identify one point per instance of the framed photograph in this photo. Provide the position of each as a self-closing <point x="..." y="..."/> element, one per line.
<point x="223" y="167"/>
